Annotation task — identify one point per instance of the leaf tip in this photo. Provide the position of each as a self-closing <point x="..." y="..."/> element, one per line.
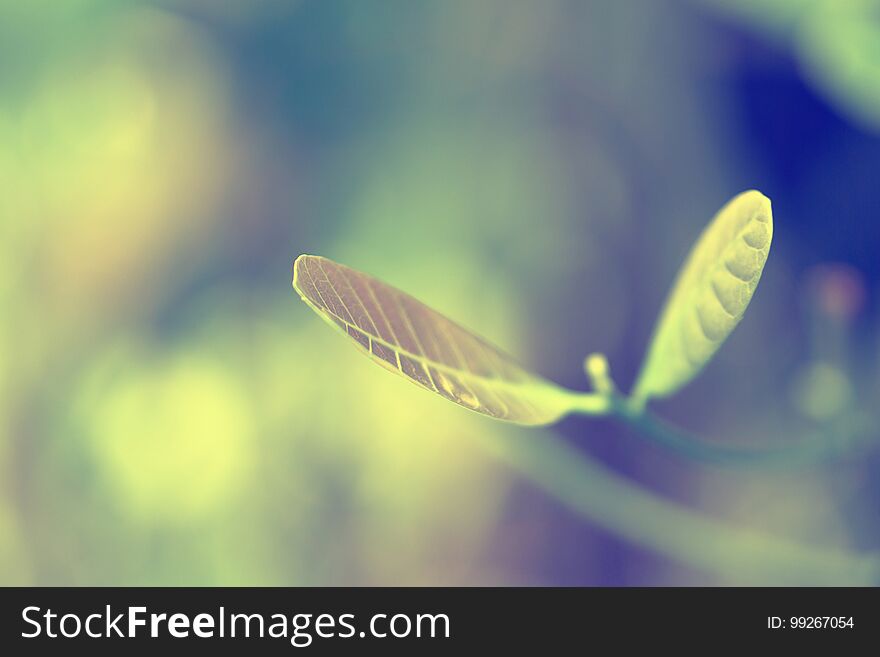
<point x="761" y="206"/>
<point x="297" y="267"/>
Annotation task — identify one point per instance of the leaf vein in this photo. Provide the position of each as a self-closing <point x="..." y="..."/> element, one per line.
<point x="720" y="299"/>
<point x="357" y="298"/>
<point x="342" y="305"/>
<point x="735" y="275"/>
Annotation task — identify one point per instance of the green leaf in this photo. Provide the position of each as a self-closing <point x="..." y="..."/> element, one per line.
<point x="712" y="292"/>
<point x="409" y="338"/>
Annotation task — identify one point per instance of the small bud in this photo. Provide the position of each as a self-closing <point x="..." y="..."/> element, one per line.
<point x="599" y="373"/>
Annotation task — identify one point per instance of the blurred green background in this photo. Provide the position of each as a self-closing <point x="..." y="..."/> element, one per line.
<point x="172" y="414"/>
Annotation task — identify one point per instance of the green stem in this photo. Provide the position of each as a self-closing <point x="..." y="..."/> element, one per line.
<point x="737" y="555"/>
<point x="607" y="401"/>
<point x="811" y="449"/>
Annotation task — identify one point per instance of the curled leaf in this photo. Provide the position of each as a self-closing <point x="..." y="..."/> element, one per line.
<point x="713" y="290"/>
<point x="412" y="340"/>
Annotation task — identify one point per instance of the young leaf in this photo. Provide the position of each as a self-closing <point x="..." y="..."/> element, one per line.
<point x="710" y="296"/>
<point x="410" y="339"/>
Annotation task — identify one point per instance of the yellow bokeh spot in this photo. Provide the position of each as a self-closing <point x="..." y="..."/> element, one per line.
<point x="118" y="158"/>
<point x="173" y="439"/>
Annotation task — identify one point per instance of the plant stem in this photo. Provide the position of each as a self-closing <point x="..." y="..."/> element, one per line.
<point x="737" y="555"/>
<point x="812" y="449"/>
<point x="610" y="501"/>
<point x="607" y="401"/>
